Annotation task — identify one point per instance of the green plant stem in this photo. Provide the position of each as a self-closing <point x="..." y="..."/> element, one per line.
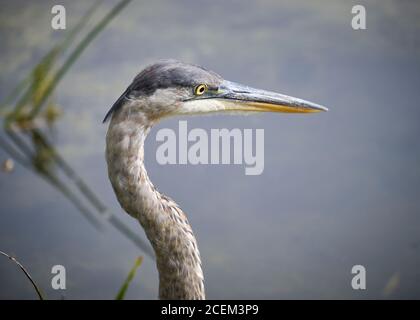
<point x="130" y="277"/>
<point x="76" y="53"/>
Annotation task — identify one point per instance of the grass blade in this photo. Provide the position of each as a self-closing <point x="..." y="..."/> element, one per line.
<point x="76" y="53"/>
<point x="45" y="64"/>
<point x="38" y="291"/>
<point x="131" y="274"/>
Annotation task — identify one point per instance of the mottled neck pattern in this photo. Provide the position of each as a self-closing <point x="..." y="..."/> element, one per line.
<point x="166" y="226"/>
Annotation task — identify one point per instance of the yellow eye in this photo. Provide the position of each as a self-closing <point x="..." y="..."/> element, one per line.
<point x="200" y="89"/>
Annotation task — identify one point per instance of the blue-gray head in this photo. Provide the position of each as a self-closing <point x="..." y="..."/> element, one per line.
<point x="171" y="87"/>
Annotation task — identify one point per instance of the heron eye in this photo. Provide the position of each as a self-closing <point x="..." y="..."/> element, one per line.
<point x="200" y="89"/>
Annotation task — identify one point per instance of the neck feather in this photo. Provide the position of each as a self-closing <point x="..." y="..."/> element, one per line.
<point x="166" y="226"/>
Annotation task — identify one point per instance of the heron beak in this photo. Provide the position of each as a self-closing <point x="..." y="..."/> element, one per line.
<point x="237" y="97"/>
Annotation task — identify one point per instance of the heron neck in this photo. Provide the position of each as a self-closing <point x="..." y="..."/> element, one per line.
<point x="165" y="225"/>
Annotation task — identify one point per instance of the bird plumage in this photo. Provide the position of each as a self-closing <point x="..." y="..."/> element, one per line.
<point x="166" y="226"/>
<point x="165" y="89"/>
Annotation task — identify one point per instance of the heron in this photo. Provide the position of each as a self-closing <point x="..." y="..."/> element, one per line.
<point x="163" y="89"/>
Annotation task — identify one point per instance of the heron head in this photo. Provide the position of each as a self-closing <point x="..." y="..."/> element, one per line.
<point x="171" y="87"/>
